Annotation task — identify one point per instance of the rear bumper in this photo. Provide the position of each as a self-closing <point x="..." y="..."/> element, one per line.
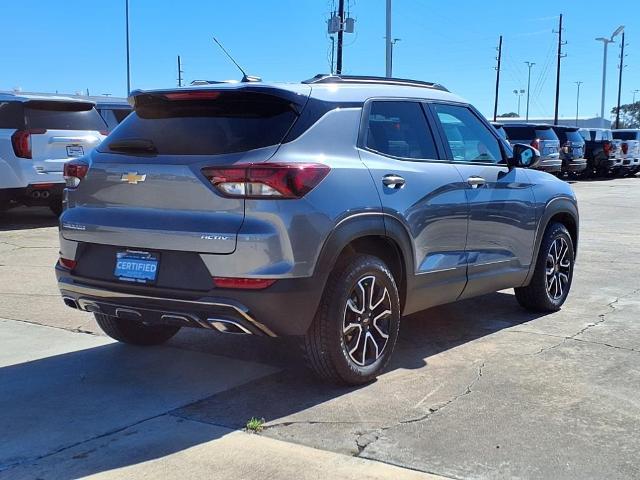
<point x="551" y="165"/>
<point x="285" y="308"/>
<point x="574" y="165"/>
<point x="33" y="194"/>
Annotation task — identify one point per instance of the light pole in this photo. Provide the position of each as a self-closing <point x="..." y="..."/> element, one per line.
<point x="128" y="68"/>
<point x="388" y="42"/>
<point x="519" y="94"/>
<point x="393" y="44"/>
<point x="606" y="42"/>
<point x="634" y="95"/>
<point x="578" y="101"/>
<point x="529" y="64"/>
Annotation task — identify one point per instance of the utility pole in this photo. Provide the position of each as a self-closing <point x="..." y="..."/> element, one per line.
<point x="620" y="81"/>
<point x="180" y="72"/>
<point x="128" y="65"/>
<point x="529" y="64"/>
<point x="333" y="49"/>
<point x="560" y="55"/>
<point x="499" y="58"/>
<point x="340" y="35"/>
<point x="389" y="45"/>
<point x="606" y="42"/>
<point x="577" y="101"/>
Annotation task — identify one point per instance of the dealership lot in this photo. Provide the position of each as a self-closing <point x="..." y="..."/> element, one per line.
<point x="479" y="389"/>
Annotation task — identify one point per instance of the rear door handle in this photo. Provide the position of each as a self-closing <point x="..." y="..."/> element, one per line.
<point x="476" y="182"/>
<point x="393" y="181"/>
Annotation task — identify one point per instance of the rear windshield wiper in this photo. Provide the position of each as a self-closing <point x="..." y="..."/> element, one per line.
<point x="132" y="145"/>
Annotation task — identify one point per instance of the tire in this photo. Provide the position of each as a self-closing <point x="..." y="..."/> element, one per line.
<point x="56" y="208"/>
<point x="553" y="272"/>
<point x="334" y="352"/>
<point x="135" y="333"/>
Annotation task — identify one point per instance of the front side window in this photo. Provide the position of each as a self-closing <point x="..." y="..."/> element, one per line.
<point x="400" y="129"/>
<point x="469" y="139"/>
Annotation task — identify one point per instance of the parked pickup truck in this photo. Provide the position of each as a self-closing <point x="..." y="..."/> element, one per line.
<point x="600" y="152"/>
<point x="630" y="147"/>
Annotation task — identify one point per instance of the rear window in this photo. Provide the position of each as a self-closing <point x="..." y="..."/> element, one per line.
<point x="11" y="115"/>
<point x="573" y="136"/>
<point x="546" y="134"/>
<point x="586" y="134"/>
<point x="121" y="114"/>
<point x="625" y="135"/>
<point x="228" y="123"/>
<point x="520" y="133"/>
<point x="63" y="116"/>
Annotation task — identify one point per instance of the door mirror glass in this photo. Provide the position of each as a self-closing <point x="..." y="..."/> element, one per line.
<point x="524" y="156"/>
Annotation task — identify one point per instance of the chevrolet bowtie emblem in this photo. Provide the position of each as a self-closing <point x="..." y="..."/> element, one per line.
<point x="133" y="178"/>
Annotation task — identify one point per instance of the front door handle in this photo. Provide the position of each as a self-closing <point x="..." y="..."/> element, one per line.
<point x="393" y="181"/>
<point x="476" y="182"/>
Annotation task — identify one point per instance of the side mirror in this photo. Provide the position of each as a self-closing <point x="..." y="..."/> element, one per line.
<point x="524" y="156"/>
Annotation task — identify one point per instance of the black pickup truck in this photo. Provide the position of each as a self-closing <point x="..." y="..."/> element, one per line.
<point x="600" y="152"/>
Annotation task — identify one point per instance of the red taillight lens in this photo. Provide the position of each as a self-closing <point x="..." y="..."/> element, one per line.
<point x="625" y="148"/>
<point x="21" y="141"/>
<point x="104" y="132"/>
<point x="244" y="283"/>
<point x="74" y="171"/>
<point x="607" y="147"/>
<point x="67" y="263"/>
<point x="536" y="144"/>
<point x="269" y="180"/>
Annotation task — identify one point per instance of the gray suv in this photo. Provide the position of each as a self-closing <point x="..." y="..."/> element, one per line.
<point x="326" y="210"/>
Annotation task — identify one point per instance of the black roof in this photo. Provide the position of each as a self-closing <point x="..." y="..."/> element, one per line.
<point x="528" y="125"/>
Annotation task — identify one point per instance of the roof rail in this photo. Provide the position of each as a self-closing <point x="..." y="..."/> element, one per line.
<point x="327" y="78"/>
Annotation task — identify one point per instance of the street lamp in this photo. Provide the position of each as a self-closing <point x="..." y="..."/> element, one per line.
<point x="634" y="95"/>
<point x="529" y="64"/>
<point x="578" y="101"/>
<point x="606" y="42"/>
<point x="393" y="44"/>
<point x="519" y="94"/>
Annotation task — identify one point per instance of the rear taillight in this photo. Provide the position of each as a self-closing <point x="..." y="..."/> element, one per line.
<point x="607" y="147"/>
<point x="243" y="283"/>
<point x="67" y="263"/>
<point x="625" y="148"/>
<point x="536" y="144"/>
<point x="269" y="180"/>
<point x="74" y="172"/>
<point x="104" y="132"/>
<point x="21" y="141"/>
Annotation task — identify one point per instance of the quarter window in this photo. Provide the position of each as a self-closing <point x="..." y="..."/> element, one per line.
<point x="400" y="129"/>
<point x="469" y="139"/>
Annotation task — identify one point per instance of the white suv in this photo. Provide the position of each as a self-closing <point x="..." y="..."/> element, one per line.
<point x="631" y="152"/>
<point x="38" y="134"/>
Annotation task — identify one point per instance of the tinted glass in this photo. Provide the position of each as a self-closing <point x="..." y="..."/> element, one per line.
<point x="231" y="122"/>
<point x="63" y="116"/>
<point x="470" y="140"/>
<point x="573" y="136"/>
<point x="586" y="134"/>
<point x="121" y="114"/>
<point x="546" y="134"/>
<point x="625" y="135"/>
<point x="501" y="131"/>
<point x="400" y="129"/>
<point x="520" y="133"/>
<point x="11" y="115"/>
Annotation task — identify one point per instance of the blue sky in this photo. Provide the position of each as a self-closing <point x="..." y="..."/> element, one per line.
<point x="72" y="45"/>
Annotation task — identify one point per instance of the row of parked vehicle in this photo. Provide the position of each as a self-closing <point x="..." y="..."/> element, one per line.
<point x="38" y="134"/>
<point x="584" y="152"/>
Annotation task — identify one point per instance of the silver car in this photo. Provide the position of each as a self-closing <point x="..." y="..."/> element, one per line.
<point x="325" y="210"/>
<point x="542" y="138"/>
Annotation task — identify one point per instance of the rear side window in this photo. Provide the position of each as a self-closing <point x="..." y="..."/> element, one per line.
<point x="520" y="133"/>
<point x="11" y="115"/>
<point x="546" y="134"/>
<point x="63" y="116"/>
<point x="212" y="124"/>
<point x="400" y="129"/>
<point x="469" y="139"/>
<point x="625" y="135"/>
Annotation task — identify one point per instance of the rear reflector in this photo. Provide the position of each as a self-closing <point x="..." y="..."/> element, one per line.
<point x="244" y="283"/>
<point x="74" y="171"/>
<point x="267" y="180"/>
<point x="66" y="263"/>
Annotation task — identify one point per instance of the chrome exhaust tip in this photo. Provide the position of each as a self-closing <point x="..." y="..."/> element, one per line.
<point x="228" y="326"/>
<point x="70" y="302"/>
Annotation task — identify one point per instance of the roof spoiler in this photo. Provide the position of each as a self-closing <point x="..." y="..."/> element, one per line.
<point x="365" y="79"/>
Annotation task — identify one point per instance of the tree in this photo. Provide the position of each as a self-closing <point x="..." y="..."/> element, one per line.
<point x="629" y="115"/>
<point x="509" y="115"/>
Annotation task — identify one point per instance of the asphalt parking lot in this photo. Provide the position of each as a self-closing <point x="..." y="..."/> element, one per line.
<point x="477" y="389"/>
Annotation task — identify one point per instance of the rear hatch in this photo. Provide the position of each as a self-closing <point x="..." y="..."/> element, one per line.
<point x="60" y="131"/>
<point x="548" y="143"/>
<point x="633" y="145"/>
<point x="572" y="144"/>
<point x="145" y="187"/>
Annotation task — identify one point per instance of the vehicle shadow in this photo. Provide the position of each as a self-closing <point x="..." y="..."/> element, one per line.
<point x="53" y="403"/>
<point x="23" y="218"/>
